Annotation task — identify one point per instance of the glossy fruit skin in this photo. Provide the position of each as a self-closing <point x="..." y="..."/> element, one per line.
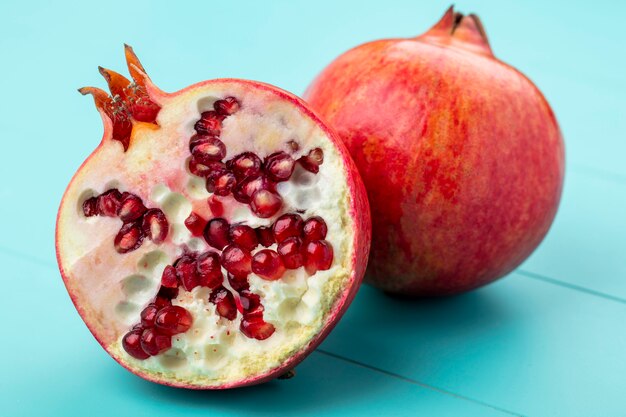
<point x="461" y="156"/>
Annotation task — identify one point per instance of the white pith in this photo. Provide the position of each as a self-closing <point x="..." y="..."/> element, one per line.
<point x="112" y="289"/>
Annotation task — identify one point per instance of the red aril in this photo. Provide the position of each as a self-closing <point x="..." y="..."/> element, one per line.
<point x="247" y="165"/>
<point x="279" y="166"/>
<point x="255" y="327"/>
<point x="243" y="236"/>
<point x="461" y="155"/>
<point x="131" y="208"/>
<point x="318" y="256"/>
<point x="208" y="149"/>
<point x="172" y="320"/>
<point x="224" y="303"/>
<point x="314" y="229"/>
<point x="268" y="265"/>
<point x="153" y="342"/>
<point x="155" y="225"/>
<point x="109" y="203"/>
<point x="148" y="315"/>
<point x="169" y="278"/>
<point x="236" y="260"/>
<point x="216" y="233"/>
<point x="165" y="235"/>
<point x="195" y="224"/>
<point x="131" y="343"/>
<point x="290" y="250"/>
<point x="287" y="225"/>
<point x="209" y="270"/>
<point x="210" y="123"/>
<point x="265" y="203"/>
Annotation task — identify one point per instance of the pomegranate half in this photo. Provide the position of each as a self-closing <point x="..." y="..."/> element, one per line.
<point x="216" y="234"/>
<point x="461" y="156"/>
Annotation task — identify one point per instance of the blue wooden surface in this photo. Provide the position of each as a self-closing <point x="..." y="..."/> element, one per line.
<point x="548" y="340"/>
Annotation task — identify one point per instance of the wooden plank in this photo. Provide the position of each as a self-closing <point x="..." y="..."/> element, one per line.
<point x="519" y="344"/>
<point x="587" y="244"/>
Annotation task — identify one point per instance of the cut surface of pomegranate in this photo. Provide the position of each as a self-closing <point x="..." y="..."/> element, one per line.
<point x="216" y="234"/>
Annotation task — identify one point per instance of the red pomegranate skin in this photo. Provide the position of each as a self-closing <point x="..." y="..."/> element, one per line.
<point x="461" y="156"/>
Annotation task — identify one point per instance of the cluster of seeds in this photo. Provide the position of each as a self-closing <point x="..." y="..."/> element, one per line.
<point x="160" y="320"/>
<point x="139" y="222"/>
<point x="298" y="243"/>
<point x="289" y="243"/>
<point x="249" y="179"/>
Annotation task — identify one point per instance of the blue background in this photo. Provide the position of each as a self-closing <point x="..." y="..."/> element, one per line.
<point x="548" y="340"/>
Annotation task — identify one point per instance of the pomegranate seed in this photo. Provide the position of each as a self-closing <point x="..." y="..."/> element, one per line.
<point x="109" y="203"/>
<point x="243" y="236"/>
<point x="132" y="344"/>
<point x="216" y="206"/>
<point x="169" y="278"/>
<point x="210" y="185"/>
<point x="318" y="256"/>
<point x="313" y="160"/>
<point x="268" y="265"/>
<point x="128" y="238"/>
<point x="171" y="320"/>
<point x="238" y="283"/>
<point x="155" y="225"/>
<point x="224" y="184"/>
<point x="246" y="165"/>
<point x="250" y="302"/>
<point x="187" y="272"/>
<point x="195" y="224"/>
<point x="287" y="225"/>
<point x="153" y="342"/>
<point x="211" y="169"/>
<point x="314" y="229"/>
<point x="209" y="270"/>
<point x="198" y="169"/>
<point x="290" y="250"/>
<point x="196" y="140"/>
<point x="255" y="327"/>
<point x="217" y="169"/>
<point x="216" y="233"/>
<point x="227" y="106"/>
<point x="131" y="208"/>
<point x="225" y="303"/>
<point x="209" y="150"/>
<point x="237" y="261"/>
<point x="90" y="207"/>
<point x="265" y="203"/>
<point x="246" y="188"/>
<point x="279" y="166"/>
<point x="265" y="235"/>
<point x="210" y="123"/>
<point x="148" y="314"/>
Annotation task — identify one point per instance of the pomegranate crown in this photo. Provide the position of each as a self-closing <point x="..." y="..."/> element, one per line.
<point x="460" y="31"/>
<point x="129" y="101"/>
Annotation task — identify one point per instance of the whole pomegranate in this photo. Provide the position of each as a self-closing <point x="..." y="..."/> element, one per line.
<point x="460" y="153"/>
<point x="216" y="234"/>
